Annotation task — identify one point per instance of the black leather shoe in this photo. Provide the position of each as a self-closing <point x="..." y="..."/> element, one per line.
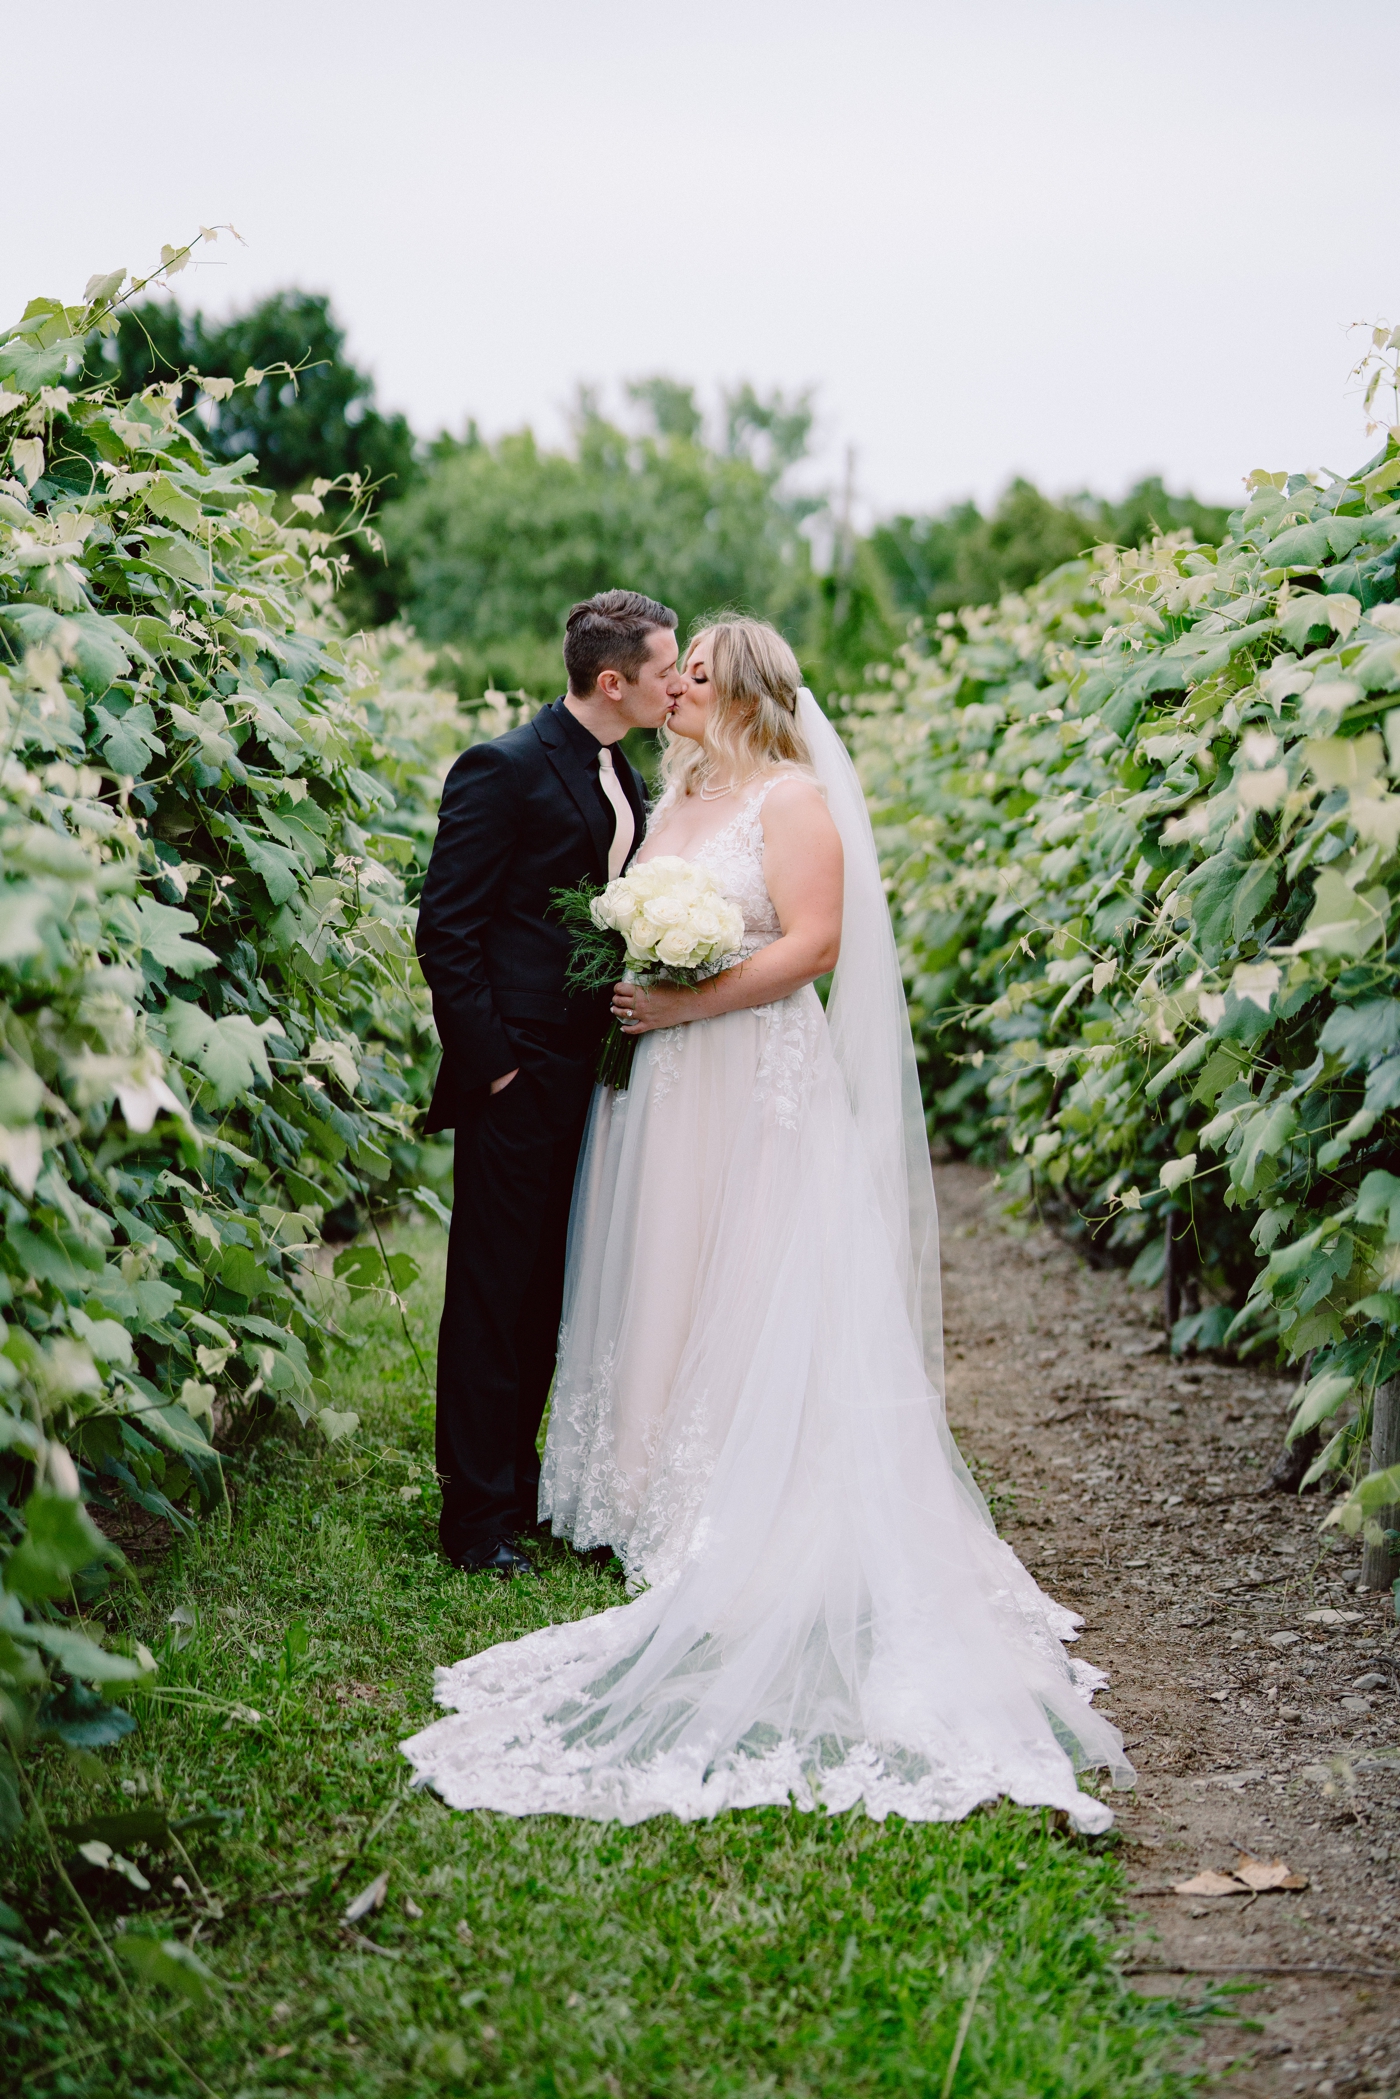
<point x="502" y="1558"/>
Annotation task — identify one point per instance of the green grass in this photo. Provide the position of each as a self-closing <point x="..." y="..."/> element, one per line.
<point x="765" y="1952"/>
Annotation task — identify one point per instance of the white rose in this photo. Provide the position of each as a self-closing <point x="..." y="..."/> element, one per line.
<point x="676" y="948"/>
<point x="673" y="912"/>
<point x="655" y="876"/>
<point x="731" y="928"/>
<point x="615" y="909"/>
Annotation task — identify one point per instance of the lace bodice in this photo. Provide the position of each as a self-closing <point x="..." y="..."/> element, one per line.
<point x="734" y="856"/>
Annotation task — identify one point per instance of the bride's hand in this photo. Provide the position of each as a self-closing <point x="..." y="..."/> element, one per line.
<point x="637" y="1008"/>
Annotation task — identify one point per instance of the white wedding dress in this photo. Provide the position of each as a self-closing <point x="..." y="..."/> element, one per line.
<point x="748" y="1409"/>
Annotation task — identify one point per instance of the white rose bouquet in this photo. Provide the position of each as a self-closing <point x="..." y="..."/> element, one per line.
<point x="667" y="922"/>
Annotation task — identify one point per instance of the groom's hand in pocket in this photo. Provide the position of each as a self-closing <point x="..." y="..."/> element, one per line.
<point x="499" y="1085"/>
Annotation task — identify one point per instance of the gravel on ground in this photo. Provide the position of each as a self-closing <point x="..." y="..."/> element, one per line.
<point x="1257" y="1688"/>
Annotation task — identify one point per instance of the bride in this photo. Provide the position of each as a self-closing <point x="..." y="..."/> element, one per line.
<point x="748" y="1405"/>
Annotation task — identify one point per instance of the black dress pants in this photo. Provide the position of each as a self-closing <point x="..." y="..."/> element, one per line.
<point x="512" y="1184"/>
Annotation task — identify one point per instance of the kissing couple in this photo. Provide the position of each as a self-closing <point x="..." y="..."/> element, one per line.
<point x="723" y="1278"/>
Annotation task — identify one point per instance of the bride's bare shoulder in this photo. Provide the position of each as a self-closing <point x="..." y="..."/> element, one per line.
<point x="792" y="792"/>
<point x="797" y="825"/>
<point x="791" y="787"/>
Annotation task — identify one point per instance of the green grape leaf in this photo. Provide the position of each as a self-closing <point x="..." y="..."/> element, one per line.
<point x="137" y="1825"/>
<point x="360" y="1266"/>
<point x="32" y="366"/>
<point x="403" y="1271"/>
<point x="173" y="505"/>
<point x="82" y="1718"/>
<point x="60" y="1258"/>
<point x="1343" y="921"/>
<point x="1378" y="1201"/>
<point x="279" y="870"/>
<point x="178" y="557"/>
<point x="155" y="1301"/>
<point x="230" y="1051"/>
<point x="240" y="1270"/>
<point x="163" y="937"/>
<point x="170" y="1964"/>
<point x="434" y="1204"/>
<point x="1363" y="1034"/>
<point x="1253" y="897"/>
<point x="100" y="649"/>
<point x="60" y="1539"/>
<point x="1301" y="546"/>
<point x="82" y="1657"/>
<point x="1321" y="1398"/>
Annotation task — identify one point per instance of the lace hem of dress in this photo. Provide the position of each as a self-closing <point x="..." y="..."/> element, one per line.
<point x="508" y="1749"/>
<point x="526" y="1736"/>
<point x="692" y="1788"/>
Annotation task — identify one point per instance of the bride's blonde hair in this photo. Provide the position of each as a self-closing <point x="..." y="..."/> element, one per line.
<point x="752" y="722"/>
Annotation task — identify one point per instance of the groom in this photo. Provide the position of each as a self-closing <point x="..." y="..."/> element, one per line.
<point x="545" y="807"/>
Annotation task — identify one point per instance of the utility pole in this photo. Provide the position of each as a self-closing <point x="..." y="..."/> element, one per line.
<point x="844" y="551"/>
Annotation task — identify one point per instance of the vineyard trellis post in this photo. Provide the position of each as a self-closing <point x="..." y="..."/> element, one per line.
<point x="1380" y="1563"/>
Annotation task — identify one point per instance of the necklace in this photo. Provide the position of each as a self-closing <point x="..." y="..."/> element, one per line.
<point x="715" y="794"/>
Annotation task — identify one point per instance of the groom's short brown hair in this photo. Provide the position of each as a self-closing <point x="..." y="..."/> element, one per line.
<point x="611" y="632"/>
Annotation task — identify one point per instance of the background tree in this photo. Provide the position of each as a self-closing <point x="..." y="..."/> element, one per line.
<point x="937" y="562"/>
<point x="317" y="427"/>
<point x="500" y="538"/>
<point x="487" y="544"/>
<point x="1149" y="509"/>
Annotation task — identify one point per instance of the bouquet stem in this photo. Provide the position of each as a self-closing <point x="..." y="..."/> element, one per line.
<point x="615" y="1057"/>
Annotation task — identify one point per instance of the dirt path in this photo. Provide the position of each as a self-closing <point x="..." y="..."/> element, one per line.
<point x="1133" y="1487"/>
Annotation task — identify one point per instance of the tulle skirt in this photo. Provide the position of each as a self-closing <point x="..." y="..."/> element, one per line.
<point x="741" y="1410"/>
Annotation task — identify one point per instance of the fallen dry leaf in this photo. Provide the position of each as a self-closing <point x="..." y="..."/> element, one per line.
<point x="370" y="1898"/>
<point x="1265" y="1874"/>
<point x="388" y="1953"/>
<point x="1210" y="1884"/>
<point x="410" y="1907"/>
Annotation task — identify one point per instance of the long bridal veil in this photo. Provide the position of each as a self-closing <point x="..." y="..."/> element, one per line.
<point x="831" y="1616"/>
<point x="874" y="1046"/>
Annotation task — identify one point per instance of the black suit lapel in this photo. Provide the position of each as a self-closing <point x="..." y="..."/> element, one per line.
<point x="580" y="780"/>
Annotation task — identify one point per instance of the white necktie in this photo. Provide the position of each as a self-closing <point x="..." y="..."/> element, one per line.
<point x="625" y="828"/>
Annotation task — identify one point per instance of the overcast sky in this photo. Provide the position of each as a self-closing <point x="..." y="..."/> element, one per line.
<point x="1081" y="240"/>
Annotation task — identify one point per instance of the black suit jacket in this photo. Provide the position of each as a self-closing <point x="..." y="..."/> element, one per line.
<point x="519" y="817"/>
